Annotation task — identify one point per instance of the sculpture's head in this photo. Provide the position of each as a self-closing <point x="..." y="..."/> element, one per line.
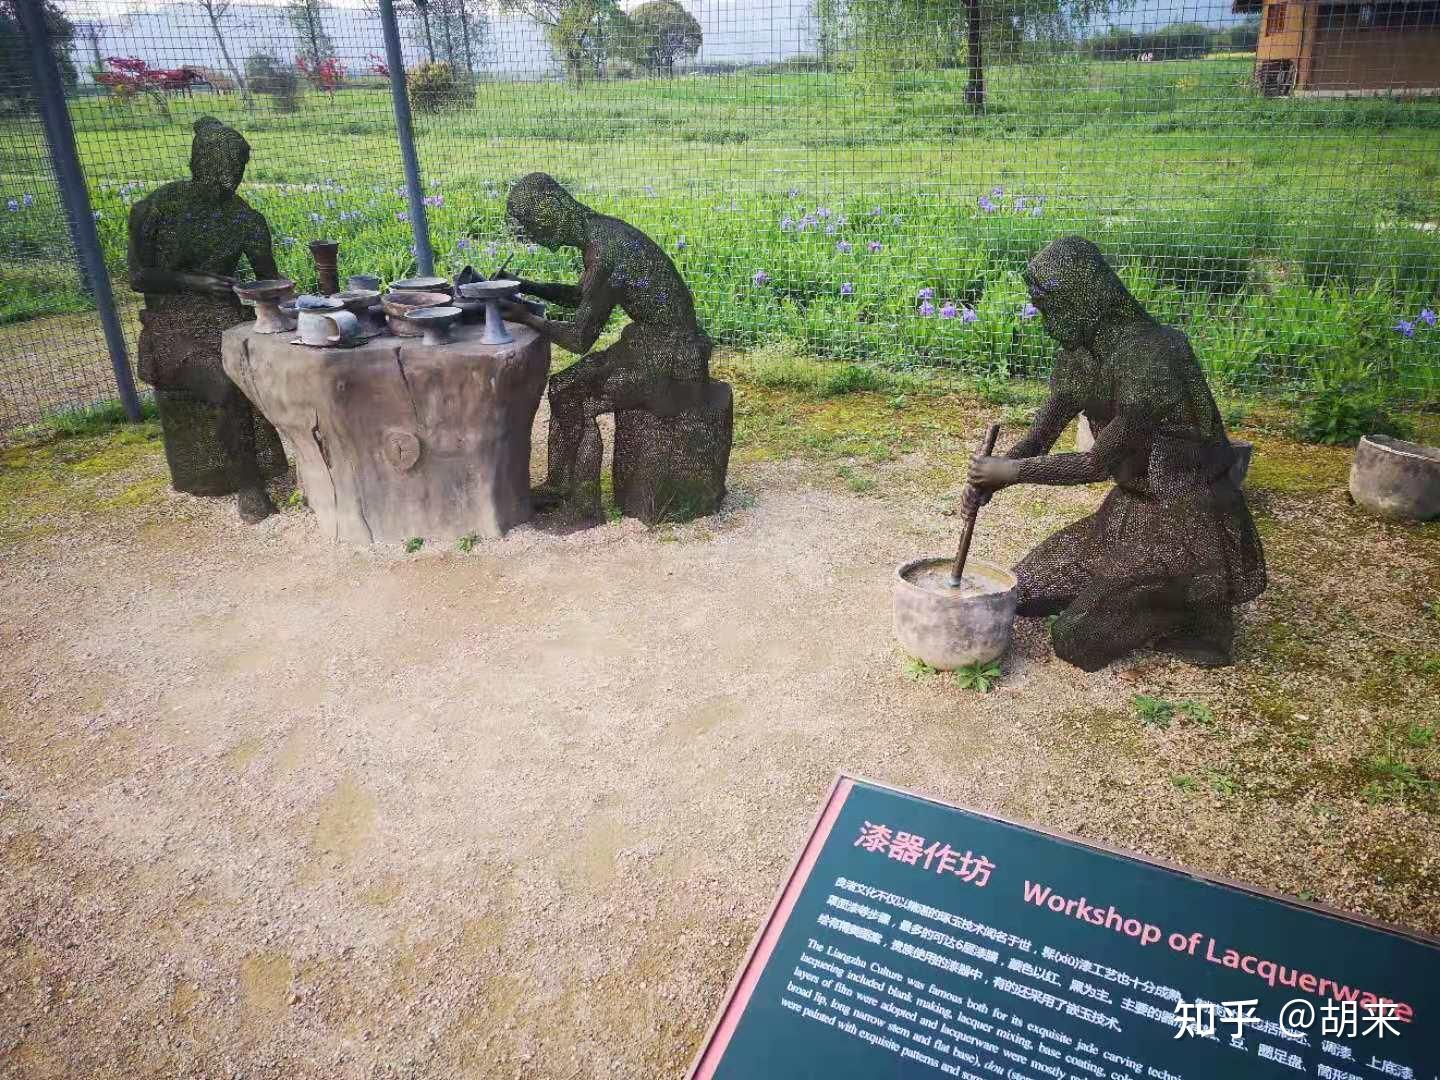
<point x="218" y="156"/>
<point x="539" y="209"/>
<point x="1075" y="291"/>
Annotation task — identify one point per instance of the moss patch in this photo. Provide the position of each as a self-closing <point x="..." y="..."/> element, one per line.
<point x="56" y="476"/>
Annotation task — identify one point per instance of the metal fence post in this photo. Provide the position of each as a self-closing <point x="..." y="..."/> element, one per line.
<point x="405" y="130"/>
<point x="70" y="177"/>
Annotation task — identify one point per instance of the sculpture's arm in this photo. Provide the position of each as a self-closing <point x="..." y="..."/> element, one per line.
<point x="592" y="312"/>
<point x="568" y="295"/>
<point x="260" y="249"/>
<point x="1129" y="431"/>
<point x="1050" y="421"/>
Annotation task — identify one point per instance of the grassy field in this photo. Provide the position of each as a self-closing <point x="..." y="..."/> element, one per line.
<point x="1289" y="236"/>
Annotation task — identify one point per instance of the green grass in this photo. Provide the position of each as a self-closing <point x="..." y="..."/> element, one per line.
<point x="1273" y="230"/>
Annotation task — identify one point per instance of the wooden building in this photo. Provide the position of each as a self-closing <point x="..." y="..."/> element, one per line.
<point x="1346" y="46"/>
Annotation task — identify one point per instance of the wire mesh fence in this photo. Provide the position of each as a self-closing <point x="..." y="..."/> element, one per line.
<point x="853" y="179"/>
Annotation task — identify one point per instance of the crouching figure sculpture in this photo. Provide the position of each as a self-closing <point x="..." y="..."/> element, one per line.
<point x="673" y="424"/>
<point x="186" y="242"/>
<point x="1172" y="548"/>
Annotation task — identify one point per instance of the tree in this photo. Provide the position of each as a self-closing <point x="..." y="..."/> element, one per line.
<point x="308" y="19"/>
<point x="217" y="11"/>
<point x="663" y="32"/>
<point x="582" y="33"/>
<point x="450" y="31"/>
<point x="892" y="35"/>
<point x="15" y="77"/>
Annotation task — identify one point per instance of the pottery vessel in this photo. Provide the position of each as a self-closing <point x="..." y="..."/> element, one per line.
<point x="323" y="321"/>
<point x="492" y="292"/>
<point x="432" y="284"/>
<point x="1396" y="479"/>
<point x="434" y="322"/>
<point x="952" y="629"/>
<point x="266" y="296"/>
<point x="398" y="303"/>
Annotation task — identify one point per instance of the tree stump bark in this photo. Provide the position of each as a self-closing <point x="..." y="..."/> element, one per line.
<point x="396" y="439"/>
<point x="672" y="468"/>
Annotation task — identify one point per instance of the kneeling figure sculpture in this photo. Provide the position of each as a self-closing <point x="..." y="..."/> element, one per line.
<point x="1172" y="549"/>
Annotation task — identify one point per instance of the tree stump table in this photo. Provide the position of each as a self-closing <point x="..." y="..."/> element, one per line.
<point x="396" y="439"/>
<point x="672" y="468"/>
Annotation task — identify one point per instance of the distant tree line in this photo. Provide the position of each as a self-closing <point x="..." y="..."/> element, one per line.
<point x="1175" y="42"/>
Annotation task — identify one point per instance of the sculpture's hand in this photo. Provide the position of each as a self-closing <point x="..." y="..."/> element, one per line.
<point x="517" y="313"/>
<point x="211" y="284"/>
<point x="993" y="473"/>
<point x="973" y="499"/>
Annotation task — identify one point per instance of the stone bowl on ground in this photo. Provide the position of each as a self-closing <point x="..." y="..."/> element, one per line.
<point x="398" y="304"/>
<point x="1396" y="479"/>
<point x="949" y="627"/>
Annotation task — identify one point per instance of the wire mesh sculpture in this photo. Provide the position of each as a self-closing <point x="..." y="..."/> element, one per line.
<point x="1172" y="548"/>
<point x="673" y="424"/>
<point x="186" y="242"/>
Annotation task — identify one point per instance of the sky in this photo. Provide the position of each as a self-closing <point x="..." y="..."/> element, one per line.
<point x="736" y="31"/>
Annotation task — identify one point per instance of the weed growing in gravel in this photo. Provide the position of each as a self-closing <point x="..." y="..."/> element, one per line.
<point x="466" y="543"/>
<point x="414" y="544"/>
<point x="981" y="677"/>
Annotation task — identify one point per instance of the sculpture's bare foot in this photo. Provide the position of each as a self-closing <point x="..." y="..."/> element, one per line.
<point x="1196" y="651"/>
<point x="254" y="505"/>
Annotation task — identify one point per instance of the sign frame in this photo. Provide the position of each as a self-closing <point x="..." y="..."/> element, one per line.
<point x="737" y="995"/>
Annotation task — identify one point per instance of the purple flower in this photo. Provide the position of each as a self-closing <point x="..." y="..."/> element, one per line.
<point x="787" y="223"/>
<point x="1020" y="205"/>
<point x="462" y="244"/>
<point x="847" y="288"/>
<point x="997" y="192"/>
<point x="436" y="201"/>
<point x="1036" y="211"/>
<point x="794" y="193"/>
<point x="831" y="229"/>
<point x="1406" y="327"/>
<point x="875" y="247"/>
<point x="968" y="315"/>
<point x="401" y="216"/>
<point x="289" y="241"/>
<point x="822" y="212"/>
<point x="1029" y="311"/>
<point x="27" y="199"/>
<point x="761" y="277"/>
<point x="926" y="293"/>
<point x="681" y="245"/>
<point x="13" y="205"/>
<point x="927" y="309"/>
<point x="1427" y="316"/>
<point x="949" y="310"/>
<point x="877" y="212"/>
<point x="986" y="205"/>
<point x="844" y="247"/>
<point x="809" y="221"/>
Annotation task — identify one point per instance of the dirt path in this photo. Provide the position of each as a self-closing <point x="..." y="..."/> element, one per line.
<point x="274" y="809"/>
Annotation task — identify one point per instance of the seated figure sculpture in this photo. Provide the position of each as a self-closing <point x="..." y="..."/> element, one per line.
<point x="186" y="242"/>
<point x="661" y="363"/>
<point x="1172" y="548"/>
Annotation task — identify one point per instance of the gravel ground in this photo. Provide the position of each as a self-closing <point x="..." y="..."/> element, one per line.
<point x="269" y="808"/>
